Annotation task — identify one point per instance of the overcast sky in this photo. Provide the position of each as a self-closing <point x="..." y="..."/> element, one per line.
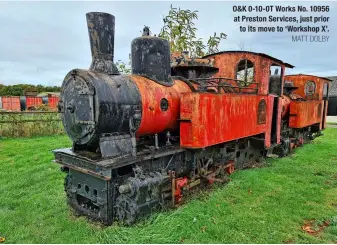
<point x="41" y="41"/>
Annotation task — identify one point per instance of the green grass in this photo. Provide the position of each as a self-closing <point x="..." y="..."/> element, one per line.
<point x="27" y="124"/>
<point x="262" y="205"/>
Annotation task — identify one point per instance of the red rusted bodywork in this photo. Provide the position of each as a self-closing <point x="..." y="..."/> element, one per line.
<point x="33" y="101"/>
<point x="155" y="120"/>
<point x="305" y="113"/>
<point x="300" y="81"/>
<point x="285" y="106"/>
<point x="227" y="63"/>
<point x="11" y="103"/>
<point x="209" y="119"/>
<point x="212" y="118"/>
<point x="314" y="109"/>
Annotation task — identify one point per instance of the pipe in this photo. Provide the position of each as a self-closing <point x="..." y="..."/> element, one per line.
<point x="101" y="28"/>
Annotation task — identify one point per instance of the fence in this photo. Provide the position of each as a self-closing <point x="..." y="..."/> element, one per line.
<point x="28" y="124"/>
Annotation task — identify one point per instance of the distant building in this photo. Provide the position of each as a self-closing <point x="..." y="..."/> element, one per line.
<point x="333" y="86"/>
<point x="332" y="106"/>
<point x="30" y="92"/>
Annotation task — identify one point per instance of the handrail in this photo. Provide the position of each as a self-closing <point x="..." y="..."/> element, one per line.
<point x="209" y="82"/>
<point x="223" y="78"/>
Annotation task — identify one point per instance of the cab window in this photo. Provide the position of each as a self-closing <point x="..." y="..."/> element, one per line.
<point x="310" y="89"/>
<point x="325" y="91"/>
<point x="245" y="72"/>
<point x="275" y="79"/>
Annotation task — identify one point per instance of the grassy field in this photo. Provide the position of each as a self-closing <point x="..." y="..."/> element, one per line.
<point x="262" y="205"/>
<point x="29" y="124"/>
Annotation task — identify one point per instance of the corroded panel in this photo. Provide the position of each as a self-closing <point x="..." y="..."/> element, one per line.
<point x="261" y="112"/>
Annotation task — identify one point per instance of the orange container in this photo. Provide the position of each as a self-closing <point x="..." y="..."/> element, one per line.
<point x="11" y="103"/>
<point x="53" y="101"/>
<point x="33" y="101"/>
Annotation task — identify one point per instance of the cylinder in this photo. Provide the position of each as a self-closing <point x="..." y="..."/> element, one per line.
<point x="101" y="28"/>
<point x="150" y="57"/>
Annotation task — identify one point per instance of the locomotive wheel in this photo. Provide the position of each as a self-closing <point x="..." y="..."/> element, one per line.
<point x="126" y="209"/>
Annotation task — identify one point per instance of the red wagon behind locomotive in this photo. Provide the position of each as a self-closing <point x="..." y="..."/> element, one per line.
<point x="304" y="108"/>
<point x="313" y="107"/>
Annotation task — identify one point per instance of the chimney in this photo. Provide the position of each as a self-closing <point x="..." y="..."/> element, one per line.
<point x="101" y="28"/>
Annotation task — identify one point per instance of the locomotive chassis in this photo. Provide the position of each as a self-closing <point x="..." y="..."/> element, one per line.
<point x="94" y="186"/>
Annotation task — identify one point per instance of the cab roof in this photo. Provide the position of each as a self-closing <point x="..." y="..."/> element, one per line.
<point x="252" y="53"/>
<point x="300" y="74"/>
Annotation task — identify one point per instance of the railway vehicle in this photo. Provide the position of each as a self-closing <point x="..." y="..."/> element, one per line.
<point x="305" y="104"/>
<point x="29" y="103"/>
<point x="10" y="103"/>
<point x="142" y="141"/>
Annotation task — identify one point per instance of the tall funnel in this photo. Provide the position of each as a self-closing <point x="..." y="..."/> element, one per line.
<point x="101" y="27"/>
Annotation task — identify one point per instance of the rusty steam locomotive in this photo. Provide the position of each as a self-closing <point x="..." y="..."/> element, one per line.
<point x="141" y="141"/>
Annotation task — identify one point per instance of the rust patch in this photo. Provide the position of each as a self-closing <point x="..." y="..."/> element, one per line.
<point x="320" y="110"/>
<point x="309" y="87"/>
<point x="152" y="94"/>
<point x="261" y="114"/>
<point x="304" y="113"/>
<point x="227" y="63"/>
<point x="204" y="123"/>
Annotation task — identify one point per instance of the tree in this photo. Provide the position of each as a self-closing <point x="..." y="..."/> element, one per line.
<point x="19" y="89"/>
<point x="179" y="29"/>
<point x="123" y="68"/>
